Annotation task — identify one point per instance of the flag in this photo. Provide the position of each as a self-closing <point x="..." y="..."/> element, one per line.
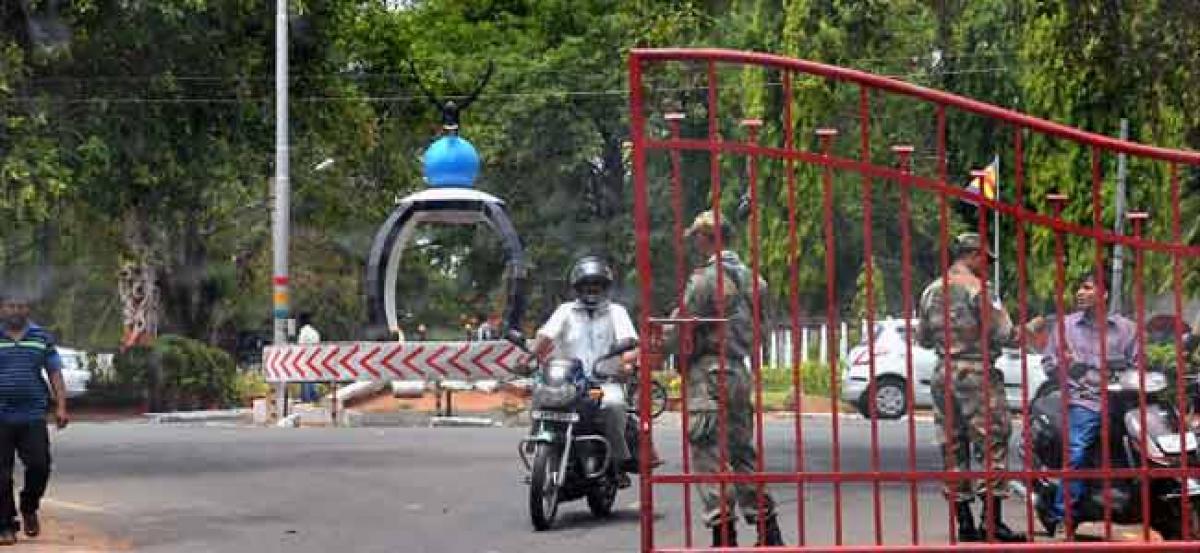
<point x="988" y="184"/>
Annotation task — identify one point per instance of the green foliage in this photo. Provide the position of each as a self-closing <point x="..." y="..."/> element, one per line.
<point x="814" y="379"/>
<point x="153" y="127"/>
<point x="878" y="292"/>
<point x="178" y="373"/>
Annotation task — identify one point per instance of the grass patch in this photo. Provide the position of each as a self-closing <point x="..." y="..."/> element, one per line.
<point x="777" y="382"/>
<point x="814" y="379"/>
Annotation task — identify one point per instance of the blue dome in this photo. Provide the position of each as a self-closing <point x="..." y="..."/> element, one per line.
<point x="451" y="162"/>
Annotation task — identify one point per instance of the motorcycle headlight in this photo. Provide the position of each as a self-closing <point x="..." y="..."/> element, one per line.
<point x="1155" y="382"/>
<point x="557" y="371"/>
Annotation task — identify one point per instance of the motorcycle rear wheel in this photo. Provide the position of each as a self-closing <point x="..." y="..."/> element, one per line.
<point x="543" y="493"/>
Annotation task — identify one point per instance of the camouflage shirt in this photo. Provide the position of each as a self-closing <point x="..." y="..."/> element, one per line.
<point x="700" y="300"/>
<point x="966" y="305"/>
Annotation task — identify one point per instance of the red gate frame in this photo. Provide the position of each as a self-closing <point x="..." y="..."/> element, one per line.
<point x="1017" y="122"/>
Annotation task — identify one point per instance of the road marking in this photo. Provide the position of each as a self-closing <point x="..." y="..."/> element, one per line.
<point x="70" y="505"/>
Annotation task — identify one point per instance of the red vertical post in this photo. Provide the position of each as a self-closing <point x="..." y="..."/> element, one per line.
<point x="1139" y="295"/>
<point x="831" y="315"/>
<point x="674" y="121"/>
<point x="789" y="145"/>
<point x="985" y="344"/>
<point x="944" y="241"/>
<point x="1102" y="315"/>
<point x="1185" y="506"/>
<point x="714" y="151"/>
<point x="864" y="117"/>
<point x="752" y="127"/>
<point x="641" y="214"/>
<point x="1023" y="315"/>
<point x="904" y="153"/>
<point x="1057" y="201"/>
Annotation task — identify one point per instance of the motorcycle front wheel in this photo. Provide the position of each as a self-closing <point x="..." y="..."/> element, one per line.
<point x="1170" y="525"/>
<point x="543" y="492"/>
<point x="602" y="498"/>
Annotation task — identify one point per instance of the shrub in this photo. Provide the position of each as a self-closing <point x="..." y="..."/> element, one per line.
<point x="174" y="373"/>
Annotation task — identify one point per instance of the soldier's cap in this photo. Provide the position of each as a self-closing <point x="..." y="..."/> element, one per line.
<point x="969" y="242"/>
<point x="706" y="222"/>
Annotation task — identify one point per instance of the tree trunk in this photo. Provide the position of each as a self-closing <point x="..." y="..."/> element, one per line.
<point x="137" y="285"/>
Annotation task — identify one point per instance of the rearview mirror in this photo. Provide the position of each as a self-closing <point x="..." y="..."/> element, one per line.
<point x="621" y="347"/>
<point x="515" y="337"/>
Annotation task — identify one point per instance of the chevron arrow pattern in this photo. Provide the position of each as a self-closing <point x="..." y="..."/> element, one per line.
<point x="390" y="361"/>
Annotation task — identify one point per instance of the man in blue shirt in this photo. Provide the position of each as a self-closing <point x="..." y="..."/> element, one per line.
<point x="26" y="350"/>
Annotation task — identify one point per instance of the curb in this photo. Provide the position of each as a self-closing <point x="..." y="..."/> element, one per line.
<point x="475" y="422"/>
<point x="197" y="416"/>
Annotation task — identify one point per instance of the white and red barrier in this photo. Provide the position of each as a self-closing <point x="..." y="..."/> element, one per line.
<point x="390" y="361"/>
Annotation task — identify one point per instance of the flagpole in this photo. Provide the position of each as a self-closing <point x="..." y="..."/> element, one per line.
<point x="996" y="229"/>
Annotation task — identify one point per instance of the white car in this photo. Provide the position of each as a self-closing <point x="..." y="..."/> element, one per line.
<point x="74" y="371"/>
<point x="891" y="373"/>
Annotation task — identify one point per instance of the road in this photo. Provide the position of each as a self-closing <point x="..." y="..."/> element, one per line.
<point x="415" y="490"/>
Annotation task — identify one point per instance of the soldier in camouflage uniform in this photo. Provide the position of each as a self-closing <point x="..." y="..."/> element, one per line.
<point x="973" y="420"/>
<point x="703" y="382"/>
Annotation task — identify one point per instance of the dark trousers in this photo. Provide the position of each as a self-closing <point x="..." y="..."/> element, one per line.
<point x="31" y="442"/>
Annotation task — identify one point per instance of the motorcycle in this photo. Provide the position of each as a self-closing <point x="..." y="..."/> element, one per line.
<point x="566" y="453"/>
<point x="1165" y="448"/>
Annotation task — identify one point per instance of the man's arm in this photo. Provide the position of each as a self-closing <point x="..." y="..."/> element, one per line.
<point x="543" y="344"/>
<point x="54" y="371"/>
<point x="924" y="326"/>
<point x="61" y="418"/>
<point x="1133" y="350"/>
<point x="1050" y="356"/>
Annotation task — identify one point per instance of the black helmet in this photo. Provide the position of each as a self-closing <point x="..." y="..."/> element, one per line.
<point x="591" y="269"/>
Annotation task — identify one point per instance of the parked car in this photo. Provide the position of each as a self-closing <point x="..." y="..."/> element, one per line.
<point x="74" y="371"/>
<point x="891" y="373"/>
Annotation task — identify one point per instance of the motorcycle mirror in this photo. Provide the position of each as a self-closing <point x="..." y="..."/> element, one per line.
<point x="621" y="347"/>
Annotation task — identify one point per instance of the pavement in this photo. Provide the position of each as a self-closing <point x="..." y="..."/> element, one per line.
<point x="202" y="488"/>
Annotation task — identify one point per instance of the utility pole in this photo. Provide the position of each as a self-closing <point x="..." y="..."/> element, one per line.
<point x="1119" y="225"/>
<point x="281" y="225"/>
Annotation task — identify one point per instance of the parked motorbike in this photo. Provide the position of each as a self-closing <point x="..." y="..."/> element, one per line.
<point x="1165" y="447"/>
<point x="566" y="453"/>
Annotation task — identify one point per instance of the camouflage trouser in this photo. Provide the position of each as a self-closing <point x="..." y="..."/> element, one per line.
<point x="704" y="439"/>
<point x="971" y="418"/>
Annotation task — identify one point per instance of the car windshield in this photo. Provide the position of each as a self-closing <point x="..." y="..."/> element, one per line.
<point x="878" y="332"/>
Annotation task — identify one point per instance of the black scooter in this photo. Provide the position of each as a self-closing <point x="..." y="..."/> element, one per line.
<point x="1165" y="448"/>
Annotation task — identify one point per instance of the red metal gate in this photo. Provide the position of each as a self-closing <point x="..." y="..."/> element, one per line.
<point x="882" y="498"/>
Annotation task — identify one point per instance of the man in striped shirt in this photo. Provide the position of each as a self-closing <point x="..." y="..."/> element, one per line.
<point x="26" y="350"/>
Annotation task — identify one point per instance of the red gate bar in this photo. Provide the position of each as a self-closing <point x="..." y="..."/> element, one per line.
<point x="904" y="177"/>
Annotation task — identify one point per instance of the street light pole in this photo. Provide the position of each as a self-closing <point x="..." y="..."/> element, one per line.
<point x="282" y="221"/>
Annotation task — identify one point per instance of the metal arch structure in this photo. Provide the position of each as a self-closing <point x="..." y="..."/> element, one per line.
<point x="658" y="137"/>
<point x="455" y="206"/>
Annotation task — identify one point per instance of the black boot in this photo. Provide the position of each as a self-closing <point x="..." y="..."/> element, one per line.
<point x="724" y="534"/>
<point x="770" y="534"/>
<point x="1004" y="534"/>
<point x="966" y="522"/>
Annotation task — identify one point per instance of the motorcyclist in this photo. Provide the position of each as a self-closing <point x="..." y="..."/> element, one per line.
<point x="586" y="329"/>
<point x="1073" y="352"/>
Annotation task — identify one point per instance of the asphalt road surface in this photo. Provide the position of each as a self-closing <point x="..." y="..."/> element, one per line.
<point x="415" y="490"/>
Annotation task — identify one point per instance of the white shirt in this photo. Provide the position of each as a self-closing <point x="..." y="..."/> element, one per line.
<point x="308" y="335"/>
<point x="588" y="334"/>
